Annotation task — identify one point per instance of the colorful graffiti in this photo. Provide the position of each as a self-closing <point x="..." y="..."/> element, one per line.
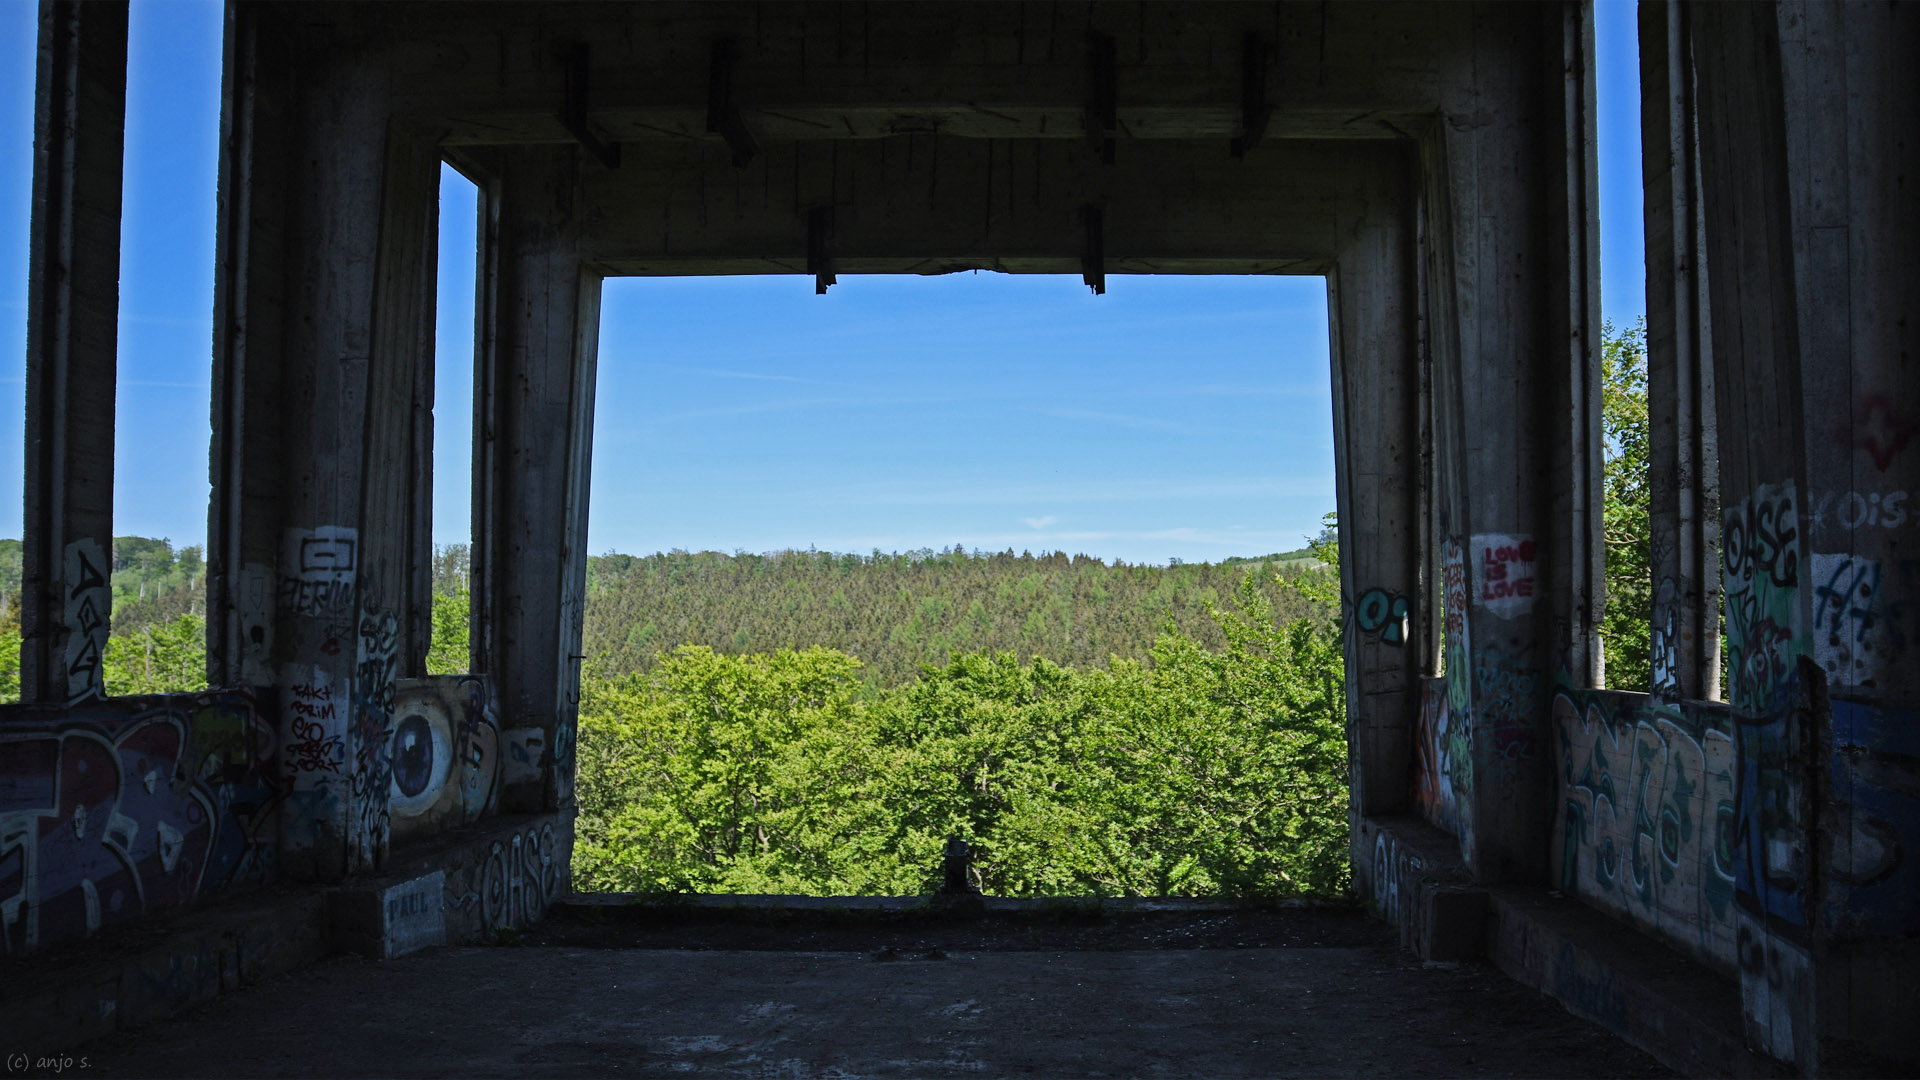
<point x="1649" y="812"/>
<point x="1850" y="640"/>
<point x="375" y="668"/>
<point x="445" y="754"/>
<point x="1761" y="559"/>
<point x="1504" y="692"/>
<point x="1441" y="762"/>
<point x="130" y="806"/>
<point x="1383" y="613"/>
<point x="511" y="886"/>
<point x="1874" y="805"/>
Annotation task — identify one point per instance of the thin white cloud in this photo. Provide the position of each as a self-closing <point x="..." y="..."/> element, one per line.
<point x="724" y="373"/>
<point x="1040" y="522"/>
<point x="933" y="492"/>
<point x="1149" y="423"/>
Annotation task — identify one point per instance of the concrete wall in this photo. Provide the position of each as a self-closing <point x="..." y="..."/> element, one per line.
<point x="122" y="809"/>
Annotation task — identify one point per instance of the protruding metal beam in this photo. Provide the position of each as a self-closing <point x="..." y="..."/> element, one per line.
<point x="723" y="113"/>
<point x="1255" y="110"/>
<point x="1093" y="265"/>
<point x="574" y="112"/>
<point x="819" y="234"/>
<point x="1103" y="100"/>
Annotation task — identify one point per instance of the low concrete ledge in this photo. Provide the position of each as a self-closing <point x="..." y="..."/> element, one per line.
<point x="750" y="905"/>
<point x="1661" y="1001"/>
<point x="461" y="886"/>
<point x="150" y="972"/>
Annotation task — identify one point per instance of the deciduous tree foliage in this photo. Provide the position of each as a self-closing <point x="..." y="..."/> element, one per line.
<point x="1626" y="627"/>
<point x="1201" y="771"/>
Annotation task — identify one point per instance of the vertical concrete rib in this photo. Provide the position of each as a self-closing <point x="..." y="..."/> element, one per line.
<point x="73" y="310"/>
<point x="541" y="432"/>
<point x="1685" y="481"/>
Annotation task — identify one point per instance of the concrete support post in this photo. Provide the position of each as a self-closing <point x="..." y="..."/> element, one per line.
<point x="353" y="241"/>
<point x="544" y="342"/>
<point x="1508" y="261"/>
<point x="1372" y="308"/>
<point x="73" y="311"/>
<point x="1807" y="122"/>
<point x="1685" y="478"/>
<point x="243" y="531"/>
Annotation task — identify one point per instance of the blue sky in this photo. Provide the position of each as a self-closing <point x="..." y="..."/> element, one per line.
<point x="1171" y="418"/>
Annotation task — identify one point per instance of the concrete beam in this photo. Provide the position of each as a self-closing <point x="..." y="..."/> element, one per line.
<point x="73" y="313"/>
<point x="928" y="204"/>
<point x="989" y="70"/>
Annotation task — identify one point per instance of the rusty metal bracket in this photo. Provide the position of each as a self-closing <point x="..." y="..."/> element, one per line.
<point x="1103" y="120"/>
<point x="1093" y="264"/>
<point x="723" y="115"/>
<point x="573" y="111"/>
<point x="819" y="233"/>
<point x="1254" y="109"/>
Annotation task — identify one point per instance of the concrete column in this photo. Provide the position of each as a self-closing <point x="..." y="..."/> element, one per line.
<point x="1509" y="270"/>
<point x="1685" y="452"/>
<point x="326" y="282"/>
<point x="1808" y="121"/>
<point x="544" y="342"/>
<point x="73" y="312"/>
<point x="243" y="531"/>
<point x="1373" y="309"/>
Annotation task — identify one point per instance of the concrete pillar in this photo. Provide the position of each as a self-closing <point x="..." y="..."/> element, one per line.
<point x="1685" y="482"/>
<point x="243" y="533"/>
<point x="543" y="342"/>
<point x="1807" y="125"/>
<point x="1509" y="266"/>
<point x="1373" y="310"/>
<point x="73" y="312"/>
<point x="325" y="286"/>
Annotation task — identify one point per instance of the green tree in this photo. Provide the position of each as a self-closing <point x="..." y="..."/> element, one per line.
<point x="1625" y="626"/>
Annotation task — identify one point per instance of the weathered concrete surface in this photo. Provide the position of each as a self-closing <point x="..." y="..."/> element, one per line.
<point x="1191" y="1012"/>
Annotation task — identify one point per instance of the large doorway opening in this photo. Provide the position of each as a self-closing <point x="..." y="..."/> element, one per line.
<point x="975" y="557"/>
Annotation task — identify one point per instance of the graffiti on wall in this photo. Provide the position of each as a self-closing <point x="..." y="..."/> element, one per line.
<point x="318" y="570"/>
<point x="445" y="753"/>
<point x="1760" y="556"/>
<point x="1874" y="803"/>
<point x="1664" y="643"/>
<point x="375" y="668"/>
<point x="510" y="887"/>
<point x="1649" y="812"/>
<point x="1441" y="764"/>
<point x="88" y="602"/>
<point x="1850" y="635"/>
<point x="129" y="806"/>
<point x="1505" y="573"/>
<point x="1503" y="699"/>
<point x="1851" y="510"/>
<point x="1383" y="614"/>
<point x="1881" y="431"/>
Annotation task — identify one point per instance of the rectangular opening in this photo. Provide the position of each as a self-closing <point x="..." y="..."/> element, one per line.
<point x="867" y="560"/>
<point x="448" y="650"/>
<point x="162" y="427"/>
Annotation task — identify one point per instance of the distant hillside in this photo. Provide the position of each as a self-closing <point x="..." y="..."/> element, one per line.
<point x="151" y="581"/>
<point x="897" y="612"/>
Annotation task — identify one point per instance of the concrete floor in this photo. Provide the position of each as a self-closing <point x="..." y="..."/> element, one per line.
<point x="565" y="1011"/>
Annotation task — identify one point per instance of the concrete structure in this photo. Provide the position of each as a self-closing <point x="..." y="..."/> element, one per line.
<point x="1434" y="161"/>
